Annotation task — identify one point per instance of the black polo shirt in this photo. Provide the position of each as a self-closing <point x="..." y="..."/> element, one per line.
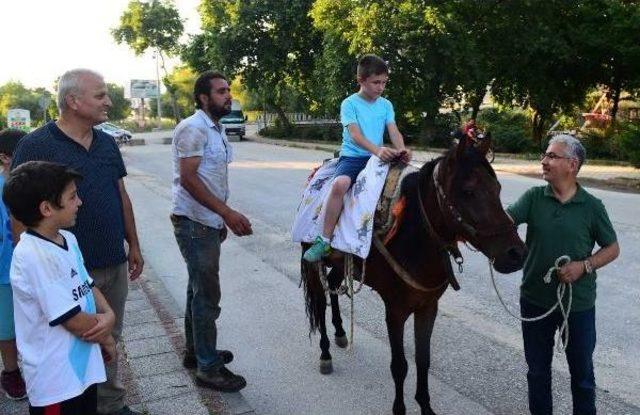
<point x="100" y="223"/>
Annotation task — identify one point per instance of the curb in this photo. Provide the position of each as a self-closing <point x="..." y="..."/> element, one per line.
<point x="167" y="345"/>
<point x="620" y="184"/>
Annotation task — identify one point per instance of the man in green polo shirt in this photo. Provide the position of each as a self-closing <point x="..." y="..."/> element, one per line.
<point x="562" y="219"/>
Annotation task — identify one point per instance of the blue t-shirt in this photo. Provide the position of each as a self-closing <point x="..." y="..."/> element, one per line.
<point x="99" y="225"/>
<point x="6" y="244"/>
<point x="371" y="117"/>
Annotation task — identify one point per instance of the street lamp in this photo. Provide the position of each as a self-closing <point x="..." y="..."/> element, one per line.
<point x="156" y="58"/>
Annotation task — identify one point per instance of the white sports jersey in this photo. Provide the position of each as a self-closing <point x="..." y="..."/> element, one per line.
<point x="51" y="285"/>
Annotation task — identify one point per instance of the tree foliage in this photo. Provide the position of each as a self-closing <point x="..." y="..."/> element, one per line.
<point x="120" y="106"/>
<point x="543" y="60"/>
<point x="270" y="43"/>
<point x="152" y="25"/>
<point x="16" y="95"/>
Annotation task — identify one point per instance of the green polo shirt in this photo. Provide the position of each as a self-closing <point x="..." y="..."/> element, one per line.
<point x="555" y="229"/>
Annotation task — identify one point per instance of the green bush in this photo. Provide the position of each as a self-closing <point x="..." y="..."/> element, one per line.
<point x="305" y="132"/>
<point x="600" y="144"/>
<point x="628" y="140"/>
<point x="510" y="130"/>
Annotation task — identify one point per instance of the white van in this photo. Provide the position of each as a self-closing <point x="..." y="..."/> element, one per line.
<point x="234" y="122"/>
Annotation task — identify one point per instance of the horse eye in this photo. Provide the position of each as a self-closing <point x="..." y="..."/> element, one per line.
<point x="467" y="192"/>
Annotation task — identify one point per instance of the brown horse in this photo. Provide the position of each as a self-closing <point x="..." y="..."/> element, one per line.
<point x="453" y="198"/>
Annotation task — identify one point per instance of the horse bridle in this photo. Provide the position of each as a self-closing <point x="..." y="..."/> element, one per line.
<point x="447" y="248"/>
<point x="445" y="205"/>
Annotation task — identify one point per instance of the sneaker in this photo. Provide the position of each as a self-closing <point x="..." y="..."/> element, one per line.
<point x="13" y="385"/>
<point x="189" y="360"/>
<point x="318" y="250"/>
<point x="222" y="380"/>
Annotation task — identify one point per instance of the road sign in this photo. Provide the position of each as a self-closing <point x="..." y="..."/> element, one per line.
<point x="144" y="88"/>
<point x="19" y="118"/>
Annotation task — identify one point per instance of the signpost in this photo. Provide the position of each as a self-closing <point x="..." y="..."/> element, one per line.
<point x="19" y="118"/>
<point x="144" y="88"/>
<point x="43" y="103"/>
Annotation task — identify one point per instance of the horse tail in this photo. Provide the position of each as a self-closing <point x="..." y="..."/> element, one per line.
<point x="314" y="296"/>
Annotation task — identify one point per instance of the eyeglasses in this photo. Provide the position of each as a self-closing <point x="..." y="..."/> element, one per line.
<point x="553" y="156"/>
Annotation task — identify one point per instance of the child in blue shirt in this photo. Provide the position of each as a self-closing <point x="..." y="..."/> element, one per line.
<point x="364" y="116"/>
<point x="10" y="378"/>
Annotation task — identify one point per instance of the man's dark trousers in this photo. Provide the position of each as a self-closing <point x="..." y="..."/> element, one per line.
<point x="538" y="349"/>
<point x="200" y="248"/>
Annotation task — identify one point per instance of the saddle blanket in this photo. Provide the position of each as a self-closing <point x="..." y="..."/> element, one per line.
<point x="354" y="230"/>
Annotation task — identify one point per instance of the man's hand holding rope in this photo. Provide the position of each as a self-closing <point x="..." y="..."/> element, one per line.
<point x="571" y="272"/>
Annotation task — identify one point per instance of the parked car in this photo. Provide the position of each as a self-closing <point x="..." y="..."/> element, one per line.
<point x="234" y="122"/>
<point x="121" y="135"/>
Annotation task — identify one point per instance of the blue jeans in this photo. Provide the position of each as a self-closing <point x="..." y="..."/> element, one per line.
<point x="538" y="350"/>
<point x="200" y="248"/>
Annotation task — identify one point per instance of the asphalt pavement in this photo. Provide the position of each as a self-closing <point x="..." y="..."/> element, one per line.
<point x="477" y="357"/>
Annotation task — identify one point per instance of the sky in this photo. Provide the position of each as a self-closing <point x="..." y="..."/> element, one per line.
<point x="41" y="39"/>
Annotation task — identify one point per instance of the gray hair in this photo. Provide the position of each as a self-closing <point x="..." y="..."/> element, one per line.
<point x="69" y="84"/>
<point x="575" y="149"/>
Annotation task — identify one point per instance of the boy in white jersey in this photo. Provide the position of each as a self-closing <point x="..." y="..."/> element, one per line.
<point x="63" y="323"/>
<point x="364" y="117"/>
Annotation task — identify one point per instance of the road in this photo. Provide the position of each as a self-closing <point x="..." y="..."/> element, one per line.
<point x="477" y="359"/>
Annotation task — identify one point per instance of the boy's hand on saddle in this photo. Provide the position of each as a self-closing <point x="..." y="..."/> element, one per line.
<point x="238" y="223"/>
<point x="405" y="155"/>
<point x="387" y="154"/>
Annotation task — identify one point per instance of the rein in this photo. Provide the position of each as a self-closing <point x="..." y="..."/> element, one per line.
<point x="443" y="246"/>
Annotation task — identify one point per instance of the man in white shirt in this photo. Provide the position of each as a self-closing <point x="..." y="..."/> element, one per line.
<point x="200" y="216"/>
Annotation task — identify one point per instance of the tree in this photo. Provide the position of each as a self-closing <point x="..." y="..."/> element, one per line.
<point x="121" y="107"/>
<point x="612" y="25"/>
<point x="270" y="43"/>
<point x="16" y="95"/>
<point x="429" y="47"/>
<point x="152" y="25"/>
<point x="538" y="59"/>
<point x="183" y="79"/>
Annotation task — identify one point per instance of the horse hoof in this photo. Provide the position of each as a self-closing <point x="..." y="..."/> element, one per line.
<point x="341" y="341"/>
<point x="326" y="366"/>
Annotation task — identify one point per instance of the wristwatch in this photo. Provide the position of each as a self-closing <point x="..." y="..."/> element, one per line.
<point x="588" y="268"/>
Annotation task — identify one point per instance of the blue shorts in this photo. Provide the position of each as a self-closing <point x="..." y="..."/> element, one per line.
<point x="351" y="167"/>
<point x="7" y="327"/>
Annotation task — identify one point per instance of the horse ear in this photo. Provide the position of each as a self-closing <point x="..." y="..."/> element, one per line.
<point x="463" y="142"/>
<point x="485" y="144"/>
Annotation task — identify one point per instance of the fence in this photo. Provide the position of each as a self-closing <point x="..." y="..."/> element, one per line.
<point x="266" y="119"/>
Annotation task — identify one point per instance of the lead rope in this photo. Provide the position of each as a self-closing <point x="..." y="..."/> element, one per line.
<point x="563" y="332"/>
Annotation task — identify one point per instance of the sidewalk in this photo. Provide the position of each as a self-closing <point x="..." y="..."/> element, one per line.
<point x="151" y="360"/>
<point x="621" y="178"/>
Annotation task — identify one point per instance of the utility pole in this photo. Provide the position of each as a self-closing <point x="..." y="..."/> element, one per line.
<point x="156" y="58"/>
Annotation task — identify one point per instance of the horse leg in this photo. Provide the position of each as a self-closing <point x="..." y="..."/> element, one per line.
<point x="340" y="336"/>
<point x="335" y="278"/>
<point x="424" y="319"/>
<point x="395" y="328"/>
<point x="326" y="365"/>
<point x="316" y="307"/>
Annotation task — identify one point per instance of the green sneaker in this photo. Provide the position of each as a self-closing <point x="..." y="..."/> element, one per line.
<point x="318" y="250"/>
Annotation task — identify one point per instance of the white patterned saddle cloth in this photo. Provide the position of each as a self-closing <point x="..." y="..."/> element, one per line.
<point x="354" y="230"/>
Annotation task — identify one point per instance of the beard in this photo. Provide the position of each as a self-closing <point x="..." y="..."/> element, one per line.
<point x="217" y="111"/>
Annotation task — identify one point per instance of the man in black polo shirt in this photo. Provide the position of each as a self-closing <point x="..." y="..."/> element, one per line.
<point x="106" y="219"/>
